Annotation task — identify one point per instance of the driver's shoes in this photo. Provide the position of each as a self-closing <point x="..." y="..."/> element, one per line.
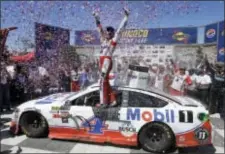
<point x="102" y="105"/>
<point x="113" y="104"/>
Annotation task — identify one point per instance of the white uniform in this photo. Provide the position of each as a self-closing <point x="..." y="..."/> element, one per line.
<point x="178" y="82"/>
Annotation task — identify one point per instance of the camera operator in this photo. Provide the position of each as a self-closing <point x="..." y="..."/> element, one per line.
<point x="217" y="89"/>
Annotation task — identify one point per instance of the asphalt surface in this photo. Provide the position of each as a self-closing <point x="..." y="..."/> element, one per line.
<point x="22" y="144"/>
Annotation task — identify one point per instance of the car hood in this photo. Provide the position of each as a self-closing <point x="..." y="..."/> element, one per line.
<point x="57" y="98"/>
<point x="188" y="101"/>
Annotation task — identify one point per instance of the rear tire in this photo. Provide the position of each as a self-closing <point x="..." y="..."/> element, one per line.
<point x="156" y="137"/>
<point x="34" y="125"/>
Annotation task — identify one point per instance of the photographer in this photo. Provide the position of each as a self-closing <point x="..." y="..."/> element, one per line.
<point x="5" y="88"/>
<point x="203" y="83"/>
<point x="21" y="80"/>
<point x="217" y="89"/>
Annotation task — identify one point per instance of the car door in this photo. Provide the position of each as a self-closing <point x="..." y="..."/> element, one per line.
<point x="142" y="108"/>
<point x="110" y="115"/>
<point x="73" y="113"/>
<point x="81" y="110"/>
<point x="114" y="129"/>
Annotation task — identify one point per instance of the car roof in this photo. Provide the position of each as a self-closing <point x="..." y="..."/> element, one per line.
<point x="151" y="90"/>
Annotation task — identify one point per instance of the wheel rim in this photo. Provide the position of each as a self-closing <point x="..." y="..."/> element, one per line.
<point x="34" y="123"/>
<point x="155" y="137"/>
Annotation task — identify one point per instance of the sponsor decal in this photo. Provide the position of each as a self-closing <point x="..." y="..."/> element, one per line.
<point x="61" y="114"/>
<point x="134" y="36"/>
<point x="182" y="139"/>
<point x="95" y="125"/>
<point x="48" y="36"/>
<point x="135" y="33"/>
<point x="56" y="116"/>
<point x="180" y="36"/>
<point x="55" y="108"/>
<point x="211" y="33"/>
<point x="44" y="102"/>
<point x="221" y="51"/>
<point x="201" y="134"/>
<point x="61" y="109"/>
<point x="186" y="116"/>
<point x="127" y="129"/>
<point x="148" y="116"/>
<point x="65" y="120"/>
<point x="50" y="99"/>
<point x="140" y="77"/>
<point x="87" y="37"/>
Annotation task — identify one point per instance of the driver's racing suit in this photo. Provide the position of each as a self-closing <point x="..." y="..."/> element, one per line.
<point x="107" y="96"/>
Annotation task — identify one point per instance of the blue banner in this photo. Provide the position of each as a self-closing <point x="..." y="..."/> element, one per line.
<point x="173" y="36"/>
<point x="211" y="33"/>
<point x="143" y="36"/>
<point x="49" y="40"/>
<point x="220" y="45"/>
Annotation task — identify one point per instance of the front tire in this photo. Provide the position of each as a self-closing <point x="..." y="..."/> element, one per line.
<point x="156" y="137"/>
<point x="34" y="125"/>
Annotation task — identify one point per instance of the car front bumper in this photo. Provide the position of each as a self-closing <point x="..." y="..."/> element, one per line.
<point x="14" y="128"/>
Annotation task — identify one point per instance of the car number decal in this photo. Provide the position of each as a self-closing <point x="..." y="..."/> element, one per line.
<point x="185" y="116"/>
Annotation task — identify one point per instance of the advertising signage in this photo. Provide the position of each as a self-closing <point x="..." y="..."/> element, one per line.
<point x="210" y="34"/>
<point x="49" y="39"/>
<point x="143" y="36"/>
<point x="220" y="44"/>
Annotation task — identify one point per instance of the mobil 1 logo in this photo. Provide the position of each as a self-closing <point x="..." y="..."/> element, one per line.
<point x="185" y="116"/>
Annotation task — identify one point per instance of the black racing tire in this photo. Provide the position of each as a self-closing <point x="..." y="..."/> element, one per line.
<point x="156" y="137"/>
<point x="34" y="125"/>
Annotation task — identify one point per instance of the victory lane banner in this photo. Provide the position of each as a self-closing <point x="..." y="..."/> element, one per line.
<point x="211" y="33"/>
<point x="143" y="36"/>
<point x="220" y="45"/>
<point x="49" y="39"/>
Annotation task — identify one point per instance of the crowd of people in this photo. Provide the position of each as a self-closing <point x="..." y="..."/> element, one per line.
<point x="21" y="82"/>
<point x="205" y="82"/>
<point x="25" y="81"/>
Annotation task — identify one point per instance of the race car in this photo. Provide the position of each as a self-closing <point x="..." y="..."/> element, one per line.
<point x="148" y="118"/>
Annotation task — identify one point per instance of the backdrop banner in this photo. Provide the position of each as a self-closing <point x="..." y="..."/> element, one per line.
<point x="166" y="36"/>
<point x="220" y="44"/>
<point x="211" y="33"/>
<point x="49" y="40"/>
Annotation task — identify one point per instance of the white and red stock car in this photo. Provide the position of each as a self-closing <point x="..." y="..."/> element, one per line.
<point x="147" y="118"/>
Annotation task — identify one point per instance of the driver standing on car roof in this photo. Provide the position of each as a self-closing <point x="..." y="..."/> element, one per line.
<point x="109" y="39"/>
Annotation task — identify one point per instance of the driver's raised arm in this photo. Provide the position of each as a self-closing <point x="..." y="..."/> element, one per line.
<point x="121" y="27"/>
<point x="99" y="26"/>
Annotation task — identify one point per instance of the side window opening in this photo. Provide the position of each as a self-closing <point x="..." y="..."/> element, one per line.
<point x="142" y="100"/>
<point x="93" y="98"/>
